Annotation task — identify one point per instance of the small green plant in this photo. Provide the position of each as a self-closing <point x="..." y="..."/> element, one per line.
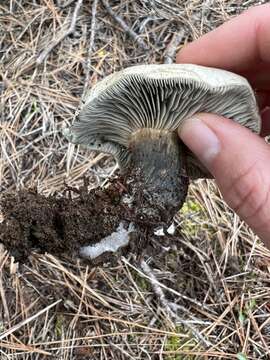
<point x="172" y="344"/>
<point x="191" y="206"/>
<point x="251" y="305"/>
<point x="242" y="317"/>
<point x="243" y="313"/>
<point x="175" y="342"/>
<point x="143" y="283"/>
<point x="193" y="216"/>
<point x="58" y="329"/>
<point x="241" y="356"/>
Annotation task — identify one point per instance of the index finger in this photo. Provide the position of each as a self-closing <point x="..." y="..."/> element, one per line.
<point x="237" y="45"/>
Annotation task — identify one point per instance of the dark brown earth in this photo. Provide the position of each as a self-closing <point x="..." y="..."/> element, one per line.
<point x="62" y="223"/>
<point x="59" y="224"/>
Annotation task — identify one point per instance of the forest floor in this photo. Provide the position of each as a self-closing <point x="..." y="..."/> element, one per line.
<point x="202" y="293"/>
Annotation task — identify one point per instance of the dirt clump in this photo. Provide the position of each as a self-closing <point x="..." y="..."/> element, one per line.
<point x="58" y="224"/>
<point x="64" y="223"/>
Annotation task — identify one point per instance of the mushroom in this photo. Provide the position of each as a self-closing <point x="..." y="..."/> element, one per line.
<point x="134" y="114"/>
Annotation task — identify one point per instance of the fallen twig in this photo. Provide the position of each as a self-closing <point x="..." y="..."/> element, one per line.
<point x="44" y="53"/>
<point x="68" y="3"/>
<point x="172" y="47"/>
<point x="168" y="306"/>
<point x="166" y="9"/>
<point x="26" y="321"/>
<point x="87" y="67"/>
<point x="124" y="26"/>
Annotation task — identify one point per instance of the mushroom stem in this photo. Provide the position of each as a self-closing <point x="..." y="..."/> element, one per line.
<point x="159" y="168"/>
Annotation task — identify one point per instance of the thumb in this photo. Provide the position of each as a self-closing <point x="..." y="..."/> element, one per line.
<point x="240" y="162"/>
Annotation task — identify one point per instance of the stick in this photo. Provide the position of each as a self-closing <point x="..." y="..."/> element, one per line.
<point x="172" y="47"/>
<point x="26" y="321"/>
<point x="87" y="66"/>
<point x="69" y="31"/>
<point x="68" y="3"/>
<point x="124" y="26"/>
<point x="168" y="306"/>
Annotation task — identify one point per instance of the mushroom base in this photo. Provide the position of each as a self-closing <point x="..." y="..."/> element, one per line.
<point x="159" y="171"/>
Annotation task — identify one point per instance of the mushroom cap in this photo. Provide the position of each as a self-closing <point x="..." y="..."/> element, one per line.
<point x="160" y="97"/>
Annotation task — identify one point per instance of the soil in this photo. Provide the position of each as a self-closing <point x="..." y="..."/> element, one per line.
<point x="58" y="224"/>
<point x="62" y="223"/>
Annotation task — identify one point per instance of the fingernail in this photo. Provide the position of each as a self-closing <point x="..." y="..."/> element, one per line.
<point x="200" y="139"/>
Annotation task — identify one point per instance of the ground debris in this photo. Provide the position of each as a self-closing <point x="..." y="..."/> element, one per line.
<point x="58" y="224"/>
<point x="77" y="221"/>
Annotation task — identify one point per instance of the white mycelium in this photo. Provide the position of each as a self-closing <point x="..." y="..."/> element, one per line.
<point x="111" y="243"/>
<point x="170" y="230"/>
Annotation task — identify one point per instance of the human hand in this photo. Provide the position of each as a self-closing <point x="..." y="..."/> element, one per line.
<point x="237" y="158"/>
